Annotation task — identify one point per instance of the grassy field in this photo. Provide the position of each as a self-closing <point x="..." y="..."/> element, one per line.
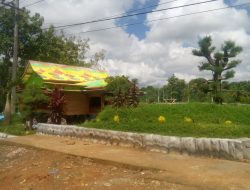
<point x="197" y="120"/>
<point x="15" y="128"/>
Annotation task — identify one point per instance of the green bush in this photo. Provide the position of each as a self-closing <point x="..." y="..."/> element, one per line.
<point x="32" y="98"/>
<point x="245" y="100"/>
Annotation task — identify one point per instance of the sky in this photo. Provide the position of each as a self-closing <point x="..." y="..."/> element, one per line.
<point x="153" y="51"/>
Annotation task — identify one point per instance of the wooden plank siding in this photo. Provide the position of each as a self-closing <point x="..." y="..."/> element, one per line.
<point x="79" y="103"/>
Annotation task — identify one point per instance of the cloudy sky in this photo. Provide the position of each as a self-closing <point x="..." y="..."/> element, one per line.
<point x="158" y="47"/>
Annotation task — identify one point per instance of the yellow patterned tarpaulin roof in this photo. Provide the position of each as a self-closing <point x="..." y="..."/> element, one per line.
<point x="73" y="75"/>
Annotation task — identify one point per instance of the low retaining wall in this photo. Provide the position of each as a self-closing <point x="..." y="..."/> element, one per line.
<point x="238" y="149"/>
<point x="5" y="136"/>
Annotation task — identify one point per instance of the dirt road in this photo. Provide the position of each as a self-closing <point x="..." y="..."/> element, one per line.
<point x="29" y="168"/>
<point x="35" y="169"/>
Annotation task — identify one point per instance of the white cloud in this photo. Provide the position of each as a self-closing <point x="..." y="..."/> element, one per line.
<point x="167" y="47"/>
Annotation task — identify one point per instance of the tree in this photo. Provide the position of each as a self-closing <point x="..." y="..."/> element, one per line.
<point x="118" y="87"/>
<point x="218" y="62"/>
<point x="32" y="98"/>
<point x="175" y="88"/>
<point x="150" y="94"/>
<point x="198" y="89"/>
<point x="118" y="83"/>
<point x="123" y="91"/>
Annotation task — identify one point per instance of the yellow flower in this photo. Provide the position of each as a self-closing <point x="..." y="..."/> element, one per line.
<point x="188" y="119"/>
<point x="228" y="122"/>
<point x="116" y="119"/>
<point x="161" y="119"/>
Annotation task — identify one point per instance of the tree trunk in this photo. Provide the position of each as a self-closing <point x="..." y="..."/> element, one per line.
<point x="7" y="112"/>
<point x="29" y="124"/>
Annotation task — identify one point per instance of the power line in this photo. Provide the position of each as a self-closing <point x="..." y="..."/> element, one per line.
<point x="24" y="1"/>
<point x="11" y="1"/>
<point x="9" y="4"/>
<point x="166" y="18"/>
<point x="33" y="3"/>
<point x="147" y="7"/>
<point x="131" y="11"/>
<point x="130" y="15"/>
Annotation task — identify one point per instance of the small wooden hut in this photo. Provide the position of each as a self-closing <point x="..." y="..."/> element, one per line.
<point x="83" y="88"/>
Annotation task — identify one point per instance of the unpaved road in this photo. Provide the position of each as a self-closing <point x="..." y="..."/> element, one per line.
<point x="63" y="163"/>
<point x="35" y="169"/>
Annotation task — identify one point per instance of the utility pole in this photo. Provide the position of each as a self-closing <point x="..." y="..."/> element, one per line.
<point x="15" y="59"/>
<point x="158" y="94"/>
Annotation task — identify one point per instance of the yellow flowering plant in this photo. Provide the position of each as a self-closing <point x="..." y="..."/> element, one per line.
<point x="228" y="122"/>
<point x="161" y="119"/>
<point x="188" y="119"/>
<point x="116" y="119"/>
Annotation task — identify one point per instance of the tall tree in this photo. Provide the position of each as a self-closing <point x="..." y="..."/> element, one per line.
<point x="219" y="62"/>
<point x="175" y="88"/>
<point x="198" y="89"/>
<point x="118" y="84"/>
<point x="150" y="94"/>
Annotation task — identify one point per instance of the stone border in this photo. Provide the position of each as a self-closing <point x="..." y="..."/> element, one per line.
<point x="237" y="149"/>
<point x="5" y="136"/>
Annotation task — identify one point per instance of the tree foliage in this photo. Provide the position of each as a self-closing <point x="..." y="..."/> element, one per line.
<point x="118" y="83"/>
<point x="124" y="92"/>
<point x="219" y="62"/>
<point x="32" y="98"/>
<point x="175" y="88"/>
<point x="150" y="94"/>
<point x="198" y="89"/>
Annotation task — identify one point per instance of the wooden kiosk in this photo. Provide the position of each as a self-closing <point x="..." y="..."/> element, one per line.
<point x="84" y="88"/>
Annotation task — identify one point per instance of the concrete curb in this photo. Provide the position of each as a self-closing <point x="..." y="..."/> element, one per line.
<point x="5" y="136"/>
<point x="236" y="149"/>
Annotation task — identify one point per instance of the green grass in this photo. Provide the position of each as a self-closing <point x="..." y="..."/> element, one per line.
<point x="208" y="120"/>
<point x="15" y="128"/>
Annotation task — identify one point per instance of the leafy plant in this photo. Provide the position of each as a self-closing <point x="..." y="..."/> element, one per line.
<point x="32" y="98"/>
<point x="125" y="92"/>
<point x="119" y="99"/>
<point x="56" y="103"/>
<point x="132" y="98"/>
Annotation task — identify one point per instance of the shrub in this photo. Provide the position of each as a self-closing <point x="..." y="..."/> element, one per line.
<point x="32" y="98"/>
<point x="56" y="103"/>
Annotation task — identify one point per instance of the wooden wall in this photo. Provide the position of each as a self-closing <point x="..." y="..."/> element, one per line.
<point x="78" y="104"/>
